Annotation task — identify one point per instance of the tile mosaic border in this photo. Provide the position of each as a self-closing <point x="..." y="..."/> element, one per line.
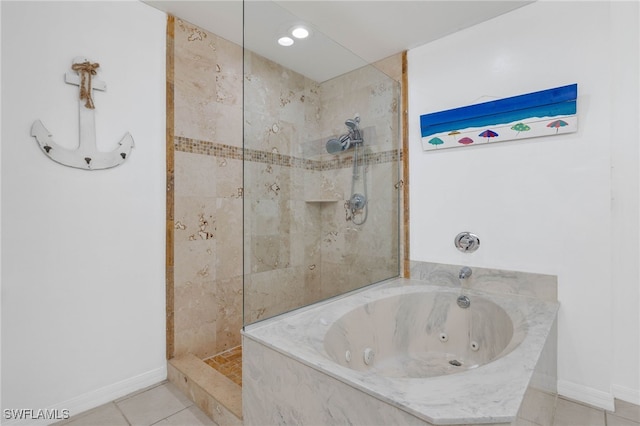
<point x="196" y="146"/>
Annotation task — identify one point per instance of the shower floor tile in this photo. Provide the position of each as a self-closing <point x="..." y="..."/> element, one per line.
<point x="228" y="363"/>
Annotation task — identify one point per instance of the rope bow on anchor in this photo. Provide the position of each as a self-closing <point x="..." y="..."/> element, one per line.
<point x="86" y="70"/>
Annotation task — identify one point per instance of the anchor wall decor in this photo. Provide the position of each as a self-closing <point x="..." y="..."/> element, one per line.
<point x="86" y="156"/>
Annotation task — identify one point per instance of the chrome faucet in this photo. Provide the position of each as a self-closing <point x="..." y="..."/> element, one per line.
<point x="465" y="273"/>
<point x="463" y="301"/>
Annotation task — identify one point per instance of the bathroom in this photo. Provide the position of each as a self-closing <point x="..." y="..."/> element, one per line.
<point x="84" y="253"/>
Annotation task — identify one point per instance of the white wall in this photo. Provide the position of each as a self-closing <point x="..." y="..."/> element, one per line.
<point x="625" y="107"/>
<point x="82" y="251"/>
<point x="544" y="205"/>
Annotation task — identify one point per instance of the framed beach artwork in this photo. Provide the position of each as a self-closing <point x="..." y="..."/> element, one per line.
<point x="545" y="113"/>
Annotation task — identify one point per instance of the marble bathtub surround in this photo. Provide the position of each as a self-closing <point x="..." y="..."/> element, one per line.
<point x="491" y="393"/>
<point x="541" y="286"/>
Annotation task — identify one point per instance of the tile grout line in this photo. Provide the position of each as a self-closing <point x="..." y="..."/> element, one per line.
<point x="126" y="419"/>
<point x="171" y="415"/>
<point x="139" y="391"/>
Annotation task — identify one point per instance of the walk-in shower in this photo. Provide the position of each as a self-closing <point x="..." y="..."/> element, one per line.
<point x="256" y="206"/>
<point x="356" y="205"/>
<point x="321" y="142"/>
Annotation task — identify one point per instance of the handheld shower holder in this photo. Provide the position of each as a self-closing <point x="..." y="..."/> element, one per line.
<point x="347" y="141"/>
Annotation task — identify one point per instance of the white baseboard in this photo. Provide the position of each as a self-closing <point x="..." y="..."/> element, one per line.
<point x="626" y="394"/>
<point x="89" y="400"/>
<point x="586" y="395"/>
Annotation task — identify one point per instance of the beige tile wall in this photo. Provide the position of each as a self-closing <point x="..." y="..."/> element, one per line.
<point x="297" y="249"/>
<point x="300" y="250"/>
<point x="208" y="192"/>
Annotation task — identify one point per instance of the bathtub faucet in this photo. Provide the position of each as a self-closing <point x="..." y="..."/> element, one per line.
<point x="465" y="273"/>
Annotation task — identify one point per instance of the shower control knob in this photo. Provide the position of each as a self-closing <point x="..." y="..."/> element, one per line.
<point x="357" y="202"/>
<point x="466" y="242"/>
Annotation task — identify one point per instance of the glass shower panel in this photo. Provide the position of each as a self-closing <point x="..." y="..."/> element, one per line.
<point x="321" y="167"/>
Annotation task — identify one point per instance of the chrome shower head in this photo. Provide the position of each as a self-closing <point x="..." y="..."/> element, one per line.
<point x="352" y="124"/>
<point x="349" y="140"/>
<point x="335" y="146"/>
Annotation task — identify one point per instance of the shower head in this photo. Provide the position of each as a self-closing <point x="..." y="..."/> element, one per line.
<point x="354" y="130"/>
<point x="344" y="142"/>
<point x="335" y="146"/>
<point x="352" y="124"/>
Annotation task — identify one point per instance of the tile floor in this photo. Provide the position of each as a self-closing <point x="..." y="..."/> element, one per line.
<point x="570" y="413"/>
<point x="164" y="405"/>
<point x="160" y="405"/>
<point x="228" y="363"/>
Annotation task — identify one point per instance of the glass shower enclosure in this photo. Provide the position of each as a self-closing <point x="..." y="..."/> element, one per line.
<point x="321" y="166"/>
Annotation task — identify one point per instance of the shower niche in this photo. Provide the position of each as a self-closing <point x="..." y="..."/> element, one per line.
<point x="321" y="166"/>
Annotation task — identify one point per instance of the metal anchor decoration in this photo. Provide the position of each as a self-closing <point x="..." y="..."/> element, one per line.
<point x="86" y="156"/>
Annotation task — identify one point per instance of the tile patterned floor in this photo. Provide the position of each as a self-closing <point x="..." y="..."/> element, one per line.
<point x="228" y="363"/>
<point x="164" y="405"/>
<point x="159" y="405"/>
<point x="571" y="413"/>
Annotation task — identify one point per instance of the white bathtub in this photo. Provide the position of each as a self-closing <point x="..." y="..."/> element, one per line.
<point x="403" y="343"/>
<point x="420" y="334"/>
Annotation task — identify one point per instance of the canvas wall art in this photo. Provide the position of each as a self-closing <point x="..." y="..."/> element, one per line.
<point x="545" y="113"/>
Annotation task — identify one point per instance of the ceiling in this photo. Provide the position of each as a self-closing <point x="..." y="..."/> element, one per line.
<point x="345" y="34"/>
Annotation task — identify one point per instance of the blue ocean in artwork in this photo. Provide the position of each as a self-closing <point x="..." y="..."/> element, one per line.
<point x="559" y="101"/>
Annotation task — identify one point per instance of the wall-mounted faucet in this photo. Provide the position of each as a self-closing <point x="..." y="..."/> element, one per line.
<point x="463" y="301"/>
<point x="466" y="242"/>
<point x="464" y="273"/>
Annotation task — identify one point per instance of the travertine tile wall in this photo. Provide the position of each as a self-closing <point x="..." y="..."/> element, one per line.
<point x="281" y="257"/>
<point x="298" y="246"/>
<point x="355" y="255"/>
<point x="208" y="192"/>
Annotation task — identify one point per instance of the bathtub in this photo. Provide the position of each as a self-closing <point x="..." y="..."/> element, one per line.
<point x="400" y="352"/>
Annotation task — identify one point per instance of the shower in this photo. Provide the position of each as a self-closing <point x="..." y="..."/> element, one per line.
<point x="348" y="140"/>
<point x="354" y="140"/>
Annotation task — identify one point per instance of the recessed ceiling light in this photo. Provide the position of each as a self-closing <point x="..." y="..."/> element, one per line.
<point x="300" y="32"/>
<point x="285" y="41"/>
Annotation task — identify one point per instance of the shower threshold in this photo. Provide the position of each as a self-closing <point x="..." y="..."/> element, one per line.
<point x="217" y="394"/>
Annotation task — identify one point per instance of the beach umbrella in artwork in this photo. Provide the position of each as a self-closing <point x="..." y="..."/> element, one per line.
<point x="520" y="127"/>
<point x="488" y="134"/>
<point x="557" y="124"/>
<point x="436" y="141"/>
<point x="465" y="141"/>
<point x="454" y="134"/>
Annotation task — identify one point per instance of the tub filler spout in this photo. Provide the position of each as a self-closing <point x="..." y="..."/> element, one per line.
<point x="465" y="273"/>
